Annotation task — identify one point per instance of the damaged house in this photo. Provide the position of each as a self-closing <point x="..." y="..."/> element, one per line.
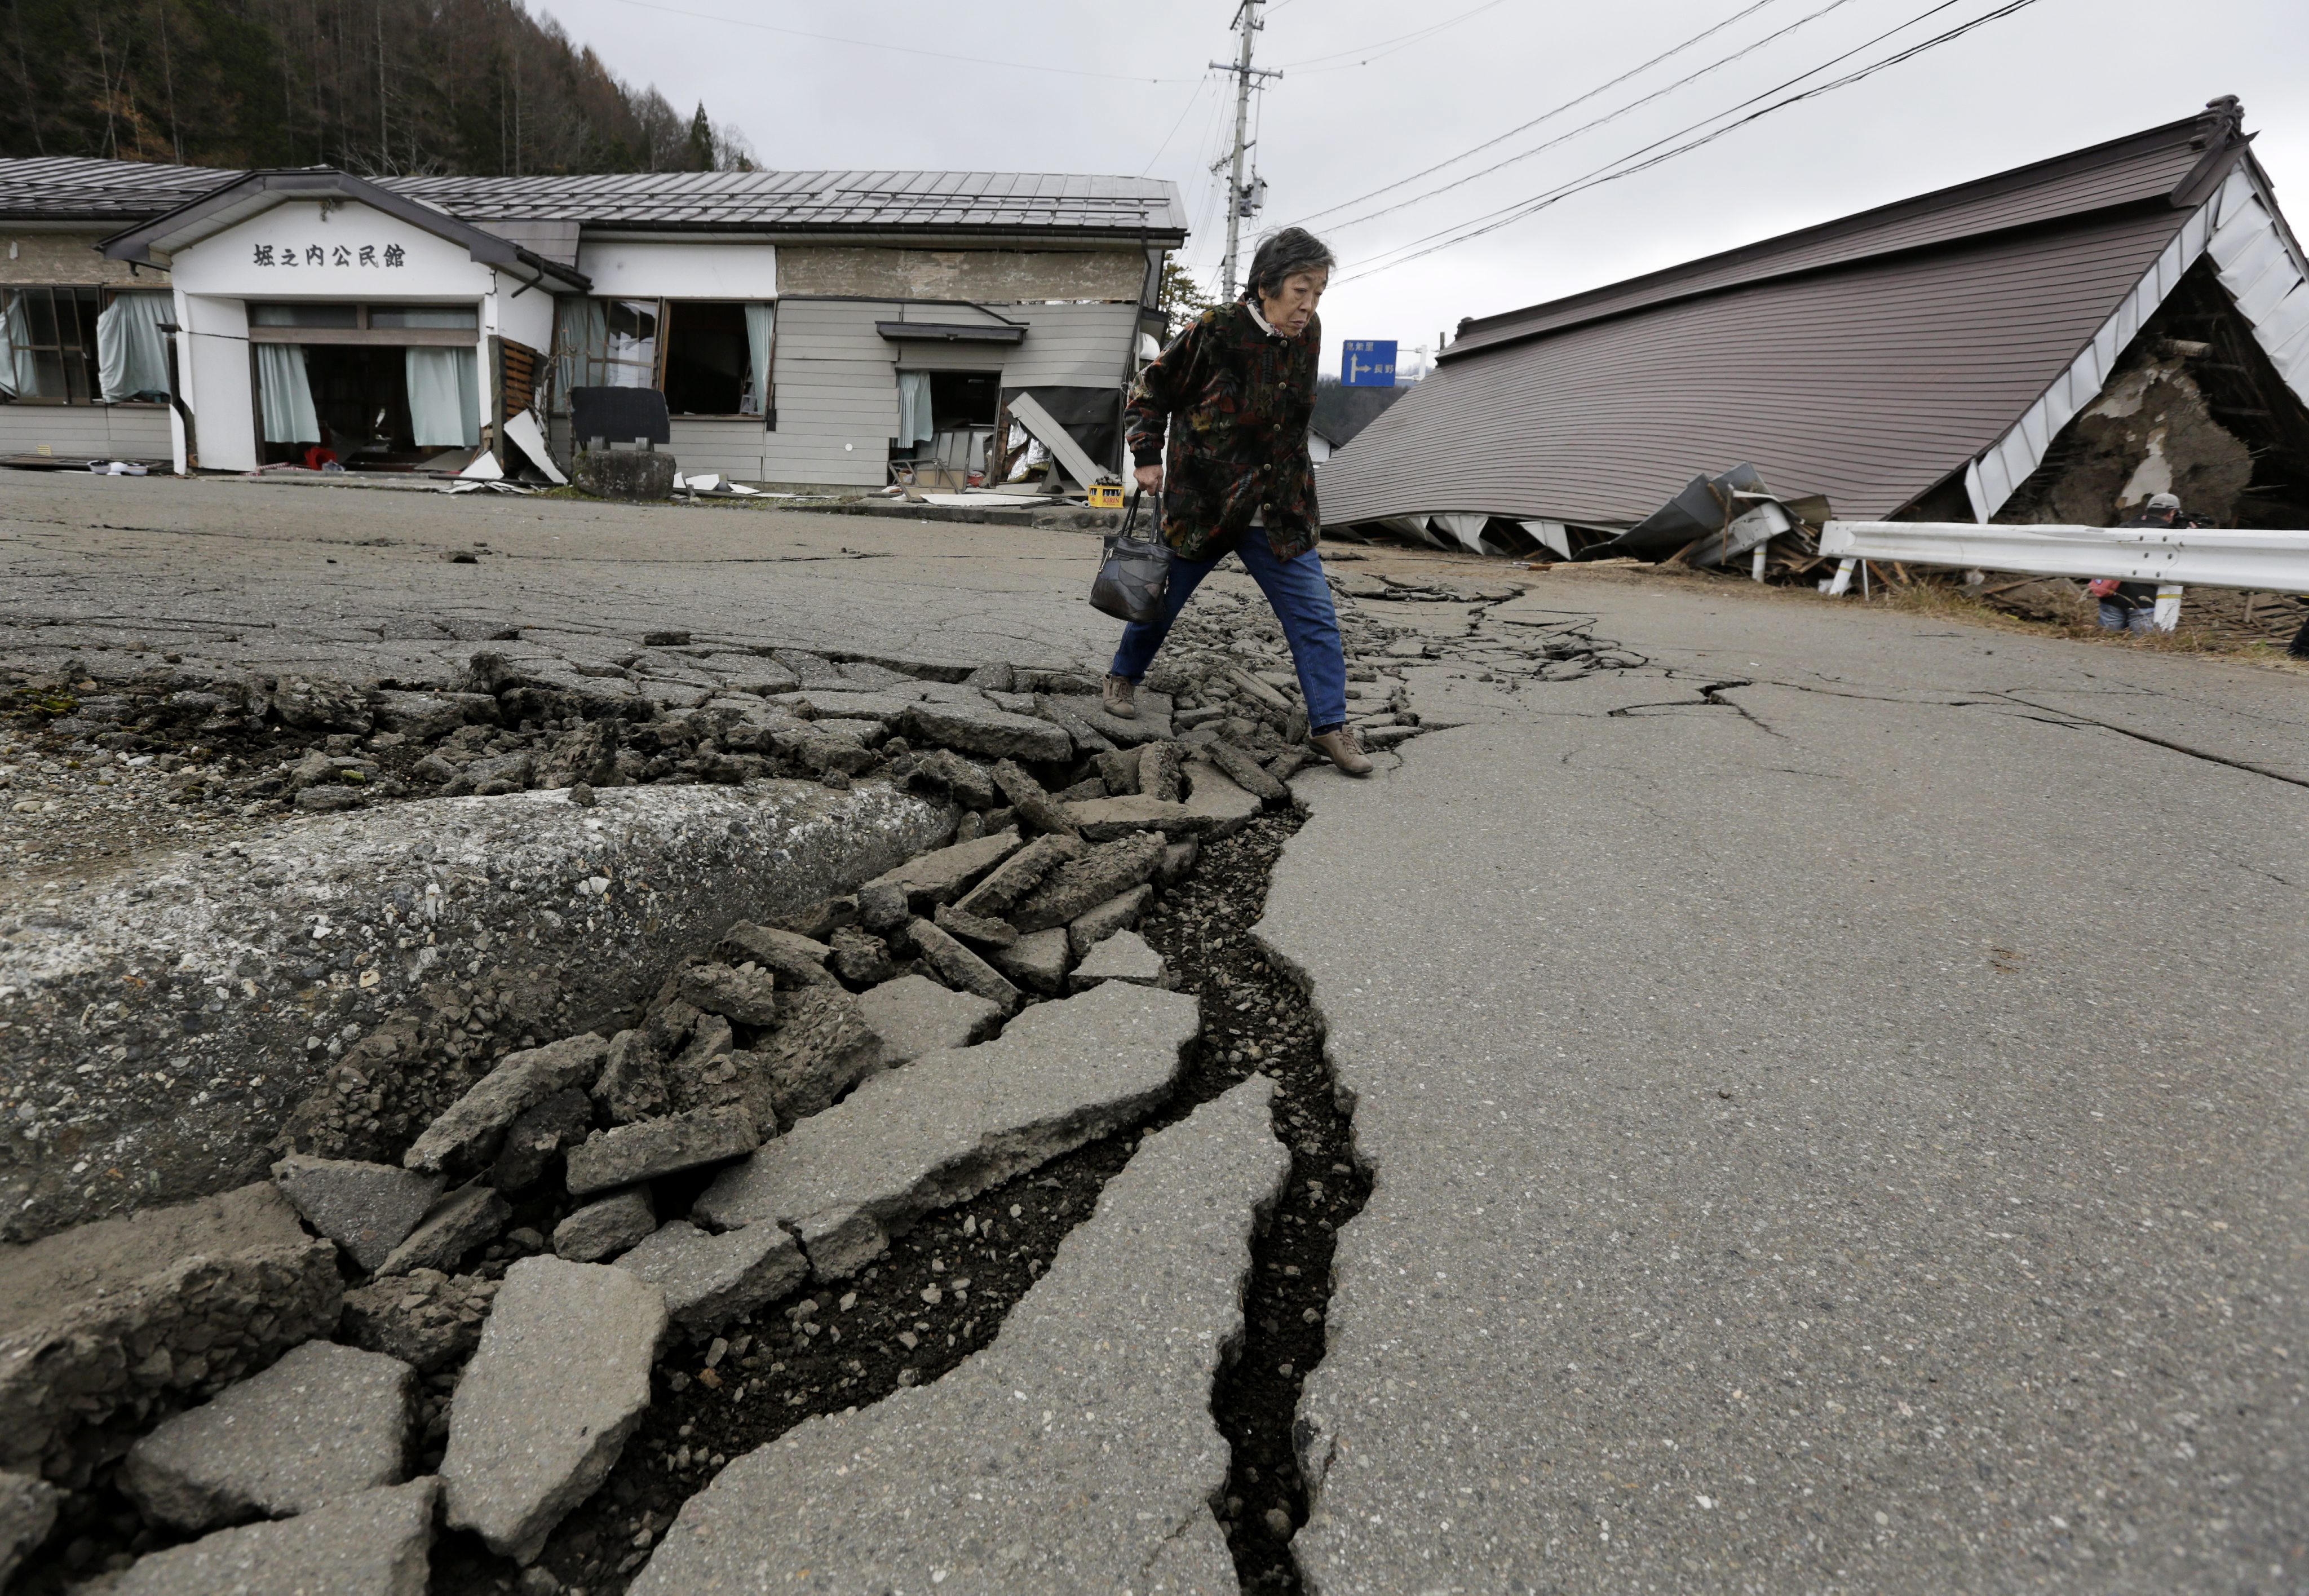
<point x="805" y="328"/>
<point x="2049" y="345"/>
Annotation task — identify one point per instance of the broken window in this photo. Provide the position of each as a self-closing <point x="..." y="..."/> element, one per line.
<point x="47" y="344"/>
<point x="606" y="343"/>
<point x="706" y="361"/>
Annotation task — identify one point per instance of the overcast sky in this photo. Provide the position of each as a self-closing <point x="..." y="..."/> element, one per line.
<point x="1375" y="91"/>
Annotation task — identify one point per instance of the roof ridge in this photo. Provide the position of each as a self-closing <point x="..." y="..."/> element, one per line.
<point x="2217" y="129"/>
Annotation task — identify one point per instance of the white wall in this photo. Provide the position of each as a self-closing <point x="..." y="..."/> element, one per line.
<point x="525" y="318"/>
<point x="431" y="267"/>
<point x="700" y="270"/>
<point x="79" y="432"/>
<point x="213" y="370"/>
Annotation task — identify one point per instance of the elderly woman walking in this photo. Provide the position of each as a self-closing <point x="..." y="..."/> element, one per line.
<point x="1238" y="390"/>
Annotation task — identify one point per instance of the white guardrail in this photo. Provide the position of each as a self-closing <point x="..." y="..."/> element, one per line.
<point x="2193" y="557"/>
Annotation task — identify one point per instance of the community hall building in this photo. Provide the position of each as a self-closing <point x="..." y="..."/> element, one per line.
<point x="806" y="328"/>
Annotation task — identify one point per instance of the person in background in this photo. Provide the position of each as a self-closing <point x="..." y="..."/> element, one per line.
<point x="1237" y="392"/>
<point x="2132" y="606"/>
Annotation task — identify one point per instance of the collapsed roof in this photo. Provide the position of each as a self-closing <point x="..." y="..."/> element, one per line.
<point x="1941" y="343"/>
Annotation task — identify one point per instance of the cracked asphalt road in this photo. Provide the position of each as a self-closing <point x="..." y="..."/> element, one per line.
<point x="1832" y="1092"/>
<point x="1833" y="1100"/>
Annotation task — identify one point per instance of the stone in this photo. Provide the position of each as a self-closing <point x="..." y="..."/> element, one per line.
<point x="970" y="928"/>
<point x="1118" y="772"/>
<point x="323" y="800"/>
<point x="1027" y="797"/>
<point x="1018" y="875"/>
<point x="1077" y="1453"/>
<point x="996" y="733"/>
<point x="1162" y="771"/>
<point x="1152" y="723"/>
<point x="466" y="1219"/>
<point x="560" y="1380"/>
<point x="882" y="906"/>
<point x="606" y="1228"/>
<point x="1120" y="912"/>
<point x="1178" y="862"/>
<point x="749" y="997"/>
<point x="1385" y="737"/>
<point x="942" y="875"/>
<point x="377" y="1543"/>
<point x="710" y="1036"/>
<point x="796" y="960"/>
<point x="323" y="1423"/>
<point x="709" y="1279"/>
<point x="960" y="780"/>
<point x="953" y="1123"/>
<point x="465" y="1139"/>
<point x="818" y="746"/>
<point x="1036" y="961"/>
<point x="624" y="473"/>
<point x="1105" y="820"/>
<point x="424" y="717"/>
<point x="995" y="677"/>
<point x="652" y="1147"/>
<point x="862" y="958"/>
<point x="315" y="705"/>
<point x="28" y="1512"/>
<point x="585" y="757"/>
<point x="962" y="968"/>
<point x="632" y="1082"/>
<point x="367" y="1208"/>
<point x="1248" y="774"/>
<point x="427" y="1319"/>
<point x="824" y="1047"/>
<point x="914" y="1015"/>
<point x="542" y="1131"/>
<point x="819" y="921"/>
<point x="1081" y="735"/>
<point x="885" y="709"/>
<point x="1221" y="808"/>
<point x="1105" y="872"/>
<point x="173" y="1302"/>
<point x="1121" y="957"/>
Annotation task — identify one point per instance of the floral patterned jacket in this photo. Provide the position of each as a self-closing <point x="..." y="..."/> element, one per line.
<point x="1238" y="398"/>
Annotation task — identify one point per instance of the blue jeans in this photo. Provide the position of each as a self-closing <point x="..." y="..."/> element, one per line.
<point x="2118" y="616"/>
<point x="1301" y="601"/>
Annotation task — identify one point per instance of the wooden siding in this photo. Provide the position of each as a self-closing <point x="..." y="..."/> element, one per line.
<point x="732" y="446"/>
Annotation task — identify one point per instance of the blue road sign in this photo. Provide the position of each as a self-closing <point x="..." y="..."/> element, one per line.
<point x="1367" y="363"/>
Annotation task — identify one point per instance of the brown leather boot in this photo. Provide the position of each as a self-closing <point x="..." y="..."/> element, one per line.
<point x="1343" y="749"/>
<point x="1120" y="697"/>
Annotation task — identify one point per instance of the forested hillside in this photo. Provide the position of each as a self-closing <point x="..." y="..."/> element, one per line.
<point x="372" y="86"/>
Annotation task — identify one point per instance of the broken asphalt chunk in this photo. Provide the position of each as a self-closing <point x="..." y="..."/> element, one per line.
<point x="953" y="1123"/>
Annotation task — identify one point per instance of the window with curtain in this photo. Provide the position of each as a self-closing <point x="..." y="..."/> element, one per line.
<point x="284" y="395"/>
<point x="606" y="343"/>
<point x="132" y="355"/>
<point x="915" y="423"/>
<point x="761" y="329"/>
<point x="51" y="355"/>
<point x="444" y="398"/>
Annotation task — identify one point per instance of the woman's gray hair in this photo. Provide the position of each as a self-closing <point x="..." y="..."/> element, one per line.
<point x="1281" y="253"/>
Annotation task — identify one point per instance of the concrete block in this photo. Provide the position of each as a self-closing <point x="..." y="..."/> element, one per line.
<point x="1077" y="1453"/>
<point x="965" y="969"/>
<point x="1122" y="957"/>
<point x="953" y="1123"/>
<point x="367" y="1208"/>
<point x="709" y="1279"/>
<point x="1087" y="929"/>
<point x="325" y="1423"/>
<point x="378" y="1543"/>
<point x="462" y="1140"/>
<point x="941" y="876"/>
<point x="1036" y="961"/>
<point x="560" y="1380"/>
<point x="1106" y="872"/>
<point x="914" y="1015"/>
<point x="995" y="733"/>
<point x="650" y="1147"/>
<point x="602" y="1230"/>
<point x="466" y="1219"/>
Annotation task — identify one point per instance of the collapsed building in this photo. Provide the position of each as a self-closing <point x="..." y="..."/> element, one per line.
<point x="805" y="328"/>
<point x="2052" y="344"/>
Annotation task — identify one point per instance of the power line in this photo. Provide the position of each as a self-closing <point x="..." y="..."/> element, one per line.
<point x="1388" y="46"/>
<point x="1583" y="99"/>
<point x="901" y="49"/>
<point x="1507" y="215"/>
<point x="1200" y="84"/>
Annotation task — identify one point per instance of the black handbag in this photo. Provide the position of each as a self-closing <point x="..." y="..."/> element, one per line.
<point x="1132" y="578"/>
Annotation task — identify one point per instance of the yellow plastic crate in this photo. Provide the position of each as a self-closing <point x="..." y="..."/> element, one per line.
<point x="1106" y="496"/>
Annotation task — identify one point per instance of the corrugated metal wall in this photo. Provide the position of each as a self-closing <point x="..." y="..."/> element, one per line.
<point x="837" y="378"/>
<point x="1869" y="384"/>
<point x="87" y="431"/>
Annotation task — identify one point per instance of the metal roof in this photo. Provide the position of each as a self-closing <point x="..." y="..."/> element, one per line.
<point x="1868" y="359"/>
<point x="992" y="202"/>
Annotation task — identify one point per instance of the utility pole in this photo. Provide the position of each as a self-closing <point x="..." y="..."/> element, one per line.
<point x="1243" y="199"/>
